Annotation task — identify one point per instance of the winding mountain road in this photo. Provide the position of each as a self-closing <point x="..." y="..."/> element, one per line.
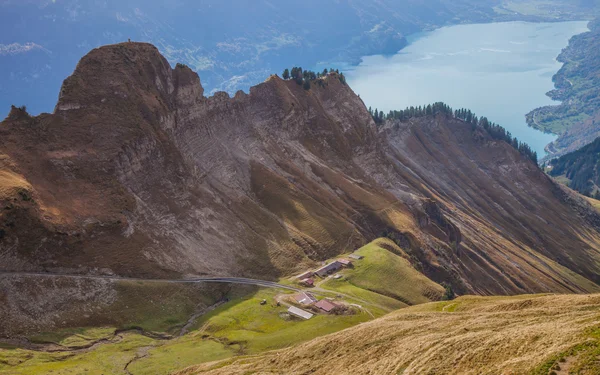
<point x="229" y="280"/>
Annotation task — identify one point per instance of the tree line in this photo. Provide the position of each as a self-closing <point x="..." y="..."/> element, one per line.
<point x="305" y="77"/>
<point x="496" y="131"/>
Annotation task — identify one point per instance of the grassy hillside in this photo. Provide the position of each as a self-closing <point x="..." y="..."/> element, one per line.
<point x="517" y="334"/>
<point x="238" y="327"/>
<point x="241" y="326"/>
<point x="533" y="334"/>
<point x="100" y="326"/>
<point x="258" y="328"/>
<point x="594" y="202"/>
<point x="385" y="270"/>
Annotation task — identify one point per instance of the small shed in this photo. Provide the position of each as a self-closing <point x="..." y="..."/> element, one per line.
<point x="305" y="298"/>
<point x="326" y="305"/>
<point x="356" y="256"/>
<point x="299" y="313"/>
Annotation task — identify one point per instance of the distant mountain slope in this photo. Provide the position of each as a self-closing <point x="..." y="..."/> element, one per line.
<point x="581" y="168"/>
<point x="472" y="335"/>
<point x="138" y="173"/>
<point x="576" y="119"/>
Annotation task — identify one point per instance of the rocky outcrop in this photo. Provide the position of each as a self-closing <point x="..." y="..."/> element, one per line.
<point x="138" y="173"/>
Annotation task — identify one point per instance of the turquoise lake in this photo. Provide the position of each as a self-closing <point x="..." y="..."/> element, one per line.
<point x="498" y="70"/>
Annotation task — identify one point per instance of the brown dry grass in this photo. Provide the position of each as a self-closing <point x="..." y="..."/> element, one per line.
<point x="594" y="202"/>
<point x="11" y="183"/>
<point x="471" y="335"/>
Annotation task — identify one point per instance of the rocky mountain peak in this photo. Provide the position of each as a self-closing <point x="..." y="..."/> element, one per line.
<point x="125" y="72"/>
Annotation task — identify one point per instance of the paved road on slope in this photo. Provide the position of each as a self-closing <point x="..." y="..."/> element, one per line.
<point x="230" y="280"/>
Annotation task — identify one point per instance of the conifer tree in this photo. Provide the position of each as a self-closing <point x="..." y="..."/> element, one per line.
<point x="298" y="76"/>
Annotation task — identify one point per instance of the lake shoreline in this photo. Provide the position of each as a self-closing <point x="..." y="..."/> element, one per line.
<point x="511" y="65"/>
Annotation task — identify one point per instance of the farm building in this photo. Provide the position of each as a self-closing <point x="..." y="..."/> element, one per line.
<point x="329" y="268"/>
<point x="356" y="256"/>
<point x="305" y="275"/>
<point x="307" y="282"/>
<point x="326" y="305"/>
<point x="299" y="313"/>
<point x="345" y="262"/>
<point x="305" y="298"/>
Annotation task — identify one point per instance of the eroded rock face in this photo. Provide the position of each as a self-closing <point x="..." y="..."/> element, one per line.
<point x="137" y="173"/>
<point x="46" y="303"/>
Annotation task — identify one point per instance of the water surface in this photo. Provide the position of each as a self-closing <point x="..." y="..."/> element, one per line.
<point x="498" y="70"/>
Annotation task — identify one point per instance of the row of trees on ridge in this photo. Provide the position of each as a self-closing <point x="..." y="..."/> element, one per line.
<point x="494" y="130"/>
<point x="305" y="77"/>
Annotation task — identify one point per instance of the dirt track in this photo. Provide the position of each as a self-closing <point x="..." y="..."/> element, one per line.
<point x="229" y="280"/>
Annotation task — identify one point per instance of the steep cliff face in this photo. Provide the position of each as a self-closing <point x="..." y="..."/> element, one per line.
<point x="138" y="173"/>
<point x="513" y="228"/>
